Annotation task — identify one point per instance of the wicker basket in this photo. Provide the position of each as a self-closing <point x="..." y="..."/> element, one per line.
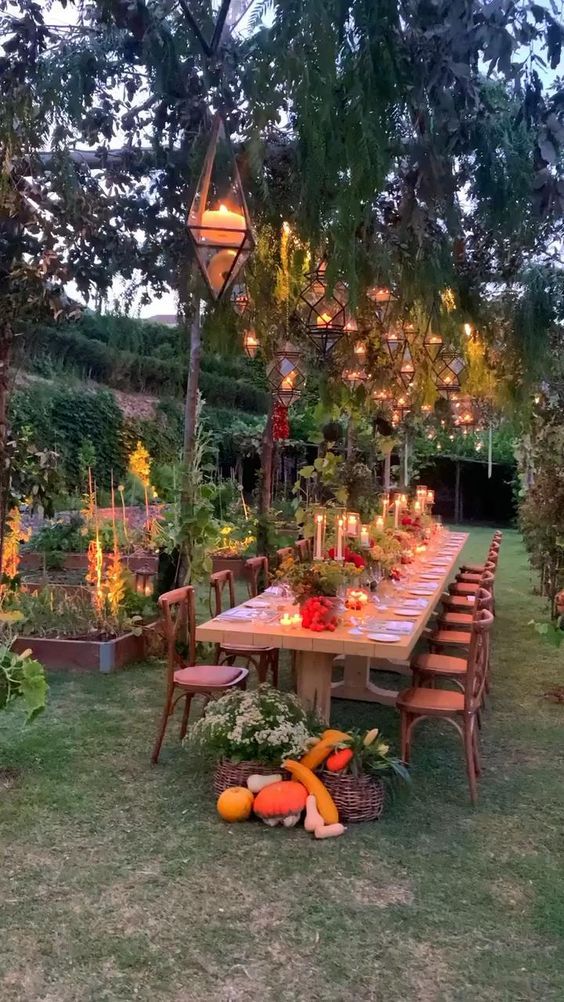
<point x="237" y="773"/>
<point x="357" y="798"/>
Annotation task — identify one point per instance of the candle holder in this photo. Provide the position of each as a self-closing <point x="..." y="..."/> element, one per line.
<point x="218" y="221"/>
<point x="365" y="537"/>
<point x="319" y="530"/>
<point x="352" y="521"/>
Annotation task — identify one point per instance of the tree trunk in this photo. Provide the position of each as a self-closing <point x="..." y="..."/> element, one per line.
<point x="6" y="340"/>
<point x="350" y="440"/>
<point x="387" y="470"/>
<point x="191" y="402"/>
<point x="265" y="482"/>
<point x="457" y="494"/>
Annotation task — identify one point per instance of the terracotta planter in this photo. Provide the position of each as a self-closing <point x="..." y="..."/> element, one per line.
<point x="234" y="564"/>
<point x="84" y="655"/>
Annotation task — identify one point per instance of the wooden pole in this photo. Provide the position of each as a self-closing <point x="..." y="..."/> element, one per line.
<point x="457" y="493"/>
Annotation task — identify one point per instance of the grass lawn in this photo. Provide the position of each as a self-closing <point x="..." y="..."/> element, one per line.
<point x="118" y="882"/>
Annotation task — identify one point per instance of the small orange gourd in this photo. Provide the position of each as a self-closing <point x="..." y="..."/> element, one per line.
<point x="339" y="759"/>
<point x="235" y="803"/>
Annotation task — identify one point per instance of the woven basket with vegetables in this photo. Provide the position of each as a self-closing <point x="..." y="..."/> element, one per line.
<point x="354" y="774"/>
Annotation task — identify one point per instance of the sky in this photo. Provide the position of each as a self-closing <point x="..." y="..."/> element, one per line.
<point x="166" y="304"/>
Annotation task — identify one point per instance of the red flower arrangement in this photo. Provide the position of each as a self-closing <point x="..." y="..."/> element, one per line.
<point x="350" y="557"/>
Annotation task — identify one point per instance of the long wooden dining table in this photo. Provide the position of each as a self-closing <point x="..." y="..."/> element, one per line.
<point x="257" y="622"/>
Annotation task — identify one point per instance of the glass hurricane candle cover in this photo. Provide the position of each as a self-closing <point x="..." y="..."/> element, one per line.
<point x="365" y="537"/>
<point x="320" y="524"/>
<point x="218" y="221"/>
<point x="340" y="535"/>
<point x="353" y="523"/>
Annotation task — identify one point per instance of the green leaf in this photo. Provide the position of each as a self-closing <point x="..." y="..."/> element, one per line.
<point x="33" y="688"/>
<point x="307" y="471"/>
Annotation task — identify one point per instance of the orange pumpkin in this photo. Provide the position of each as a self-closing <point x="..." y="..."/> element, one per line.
<point x="281" y="803"/>
<point x="235" y="803"/>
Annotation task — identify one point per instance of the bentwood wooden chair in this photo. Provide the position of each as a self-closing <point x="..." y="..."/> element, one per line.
<point x="494" y="546"/>
<point x="262" y="659"/>
<point x="450" y="635"/>
<point x="460" y="709"/>
<point x="302" y="549"/>
<point x="283" y="553"/>
<point x="184" y="678"/>
<point x="428" y="668"/>
<point x="256" y="569"/>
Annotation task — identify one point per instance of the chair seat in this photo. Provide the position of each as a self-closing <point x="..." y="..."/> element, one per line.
<point x="438" y="701"/>
<point x="459" y="602"/>
<point x="466" y="578"/>
<point x="440" y="664"/>
<point x="244" y="649"/>
<point x="457" y="637"/>
<point x="456" y="619"/>
<point x="209" y="676"/>
<point x="465" y="589"/>
<point x="473" y="568"/>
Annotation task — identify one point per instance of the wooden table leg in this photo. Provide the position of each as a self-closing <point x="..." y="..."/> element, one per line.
<point x="356" y="682"/>
<point x="314" y="681"/>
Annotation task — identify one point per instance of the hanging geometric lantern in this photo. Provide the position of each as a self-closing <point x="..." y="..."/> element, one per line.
<point x="426" y="409"/>
<point x="359" y="352"/>
<point x="219" y="222"/>
<point x="323" y="314"/>
<point x="450" y="367"/>
<point x="464" y="415"/>
<point x="382" y="395"/>
<point x="409" y="330"/>
<point x="285" y="374"/>
<point x="240" y="299"/>
<point x="354" y="377"/>
<point x="250" y="343"/>
<point x="383" y="300"/>
<point x="407" y="368"/>
<point x="433" y="345"/>
<point x="394" y="340"/>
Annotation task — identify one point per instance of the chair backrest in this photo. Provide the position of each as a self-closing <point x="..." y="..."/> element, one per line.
<point x="179" y="628"/>
<point x="257" y="575"/>
<point x="302" y="548"/>
<point x="220" y="582"/>
<point x="478" y="660"/>
<point x="283" y="553"/>
<point x="483" y="600"/>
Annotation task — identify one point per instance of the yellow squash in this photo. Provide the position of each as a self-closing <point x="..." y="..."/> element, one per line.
<point x="325" y="803"/>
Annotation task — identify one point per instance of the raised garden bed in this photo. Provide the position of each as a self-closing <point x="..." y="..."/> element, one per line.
<point x="86" y="655"/>
<point x="79" y="561"/>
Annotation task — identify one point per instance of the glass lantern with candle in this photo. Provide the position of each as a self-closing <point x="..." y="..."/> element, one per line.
<point x="250" y="343"/>
<point x="324" y="313"/>
<point x="218" y="220"/>
<point x="383" y="301"/>
<point x="352" y="522"/>
<point x="285" y="374"/>
<point x="449" y="370"/>
<point x="319" y="530"/>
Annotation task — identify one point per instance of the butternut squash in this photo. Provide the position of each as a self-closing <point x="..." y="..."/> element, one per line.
<point x="313" y="818"/>
<point x="325" y="803"/>
<point x="330" y="831"/>
<point x="317" y="755"/>
<point x="256" y="782"/>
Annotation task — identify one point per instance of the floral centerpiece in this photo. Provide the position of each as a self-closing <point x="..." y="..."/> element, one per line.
<point x="385" y="549"/>
<point x="315" y="586"/>
<point x="355" y="771"/>
<point x="251" y="732"/>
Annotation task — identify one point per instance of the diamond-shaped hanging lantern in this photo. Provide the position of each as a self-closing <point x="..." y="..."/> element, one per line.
<point x="449" y="369"/>
<point x="433" y="345"/>
<point x="383" y="300"/>
<point x="394" y="340"/>
<point x="285" y="374"/>
<point x="240" y="299"/>
<point x="219" y="222"/>
<point x="407" y="368"/>
<point x="250" y="343"/>
<point x="324" y="314"/>
<point x="354" y="377"/>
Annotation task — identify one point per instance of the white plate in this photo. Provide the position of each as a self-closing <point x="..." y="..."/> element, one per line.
<point x="407" y="613"/>
<point x="421" y="591"/>
<point x="384" y="638"/>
